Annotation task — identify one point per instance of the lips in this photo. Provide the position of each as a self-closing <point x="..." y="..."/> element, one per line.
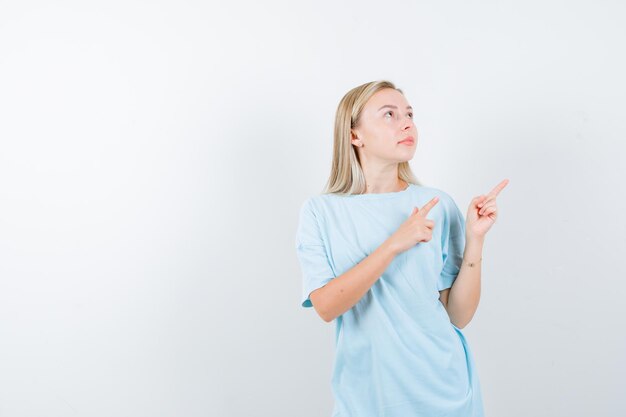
<point x="408" y="140"/>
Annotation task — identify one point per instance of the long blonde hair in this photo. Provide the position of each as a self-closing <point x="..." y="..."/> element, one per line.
<point x="346" y="175"/>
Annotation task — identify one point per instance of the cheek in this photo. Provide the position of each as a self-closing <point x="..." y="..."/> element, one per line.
<point x="379" y="139"/>
<point x="382" y="138"/>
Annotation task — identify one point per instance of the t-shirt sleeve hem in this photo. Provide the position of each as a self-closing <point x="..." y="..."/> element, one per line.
<point x="306" y="300"/>
<point x="445" y="281"/>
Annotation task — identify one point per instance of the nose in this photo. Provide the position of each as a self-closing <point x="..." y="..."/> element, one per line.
<point x="408" y="124"/>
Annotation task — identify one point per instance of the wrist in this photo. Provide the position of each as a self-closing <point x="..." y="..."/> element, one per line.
<point x="471" y="263"/>
<point x="473" y="251"/>
<point x="474" y="239"/>
<point x="389" y="248"/>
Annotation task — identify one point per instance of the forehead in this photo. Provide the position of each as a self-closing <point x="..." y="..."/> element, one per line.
<point x="386" y="96"/>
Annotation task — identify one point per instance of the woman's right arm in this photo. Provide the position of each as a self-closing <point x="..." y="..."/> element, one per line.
<point x="341" y="293"/>
<point x="344" y="291"/>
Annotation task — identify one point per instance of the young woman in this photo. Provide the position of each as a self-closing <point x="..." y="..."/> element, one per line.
<point x="395" y="265"/>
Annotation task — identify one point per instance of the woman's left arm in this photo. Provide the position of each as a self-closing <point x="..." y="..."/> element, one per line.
<point x="462" y="300"/>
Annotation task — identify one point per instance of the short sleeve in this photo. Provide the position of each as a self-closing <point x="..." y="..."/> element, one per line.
<point x="311" y="252"/>
<point x="453" y="246"/>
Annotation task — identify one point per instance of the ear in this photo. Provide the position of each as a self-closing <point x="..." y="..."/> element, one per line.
<point x="354" y="139"/>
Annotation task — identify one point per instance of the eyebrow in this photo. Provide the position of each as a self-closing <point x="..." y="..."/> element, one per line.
<point x="393" y="107"/>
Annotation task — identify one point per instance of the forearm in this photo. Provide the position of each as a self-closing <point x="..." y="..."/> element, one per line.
<point x="465" y="292"/>
<point x="343" y="292"/>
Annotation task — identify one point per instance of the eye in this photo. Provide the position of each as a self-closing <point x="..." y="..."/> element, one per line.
<point x="390" y="111"/>
<point x="411" y="115"/>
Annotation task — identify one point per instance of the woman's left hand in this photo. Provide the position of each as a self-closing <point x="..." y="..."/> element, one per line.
<point x="482" y="212"/>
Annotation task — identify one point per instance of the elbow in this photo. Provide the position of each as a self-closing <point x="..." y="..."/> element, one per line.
<point x="324" y="315"/>
<point x="320" y="306"/>
<point x="455" y="320"/>
<point x="460" y="325"/>
<point x="329" y="319"/>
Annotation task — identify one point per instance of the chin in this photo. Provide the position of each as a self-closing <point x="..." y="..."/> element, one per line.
<point x="405" y="159"/>
<point x="407" y="156"/>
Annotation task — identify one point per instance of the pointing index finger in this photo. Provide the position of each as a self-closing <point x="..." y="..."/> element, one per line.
<point x="498" y="188"/>
<point x="424" y="210"/>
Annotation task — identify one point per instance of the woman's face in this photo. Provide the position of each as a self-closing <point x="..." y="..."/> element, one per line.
<point x="386" y="120"/>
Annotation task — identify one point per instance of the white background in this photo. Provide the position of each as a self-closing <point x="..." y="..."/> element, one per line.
<point x="154" y="156"/>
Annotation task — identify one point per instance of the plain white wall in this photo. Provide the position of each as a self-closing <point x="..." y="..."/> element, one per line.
<point x="154" y="156"/>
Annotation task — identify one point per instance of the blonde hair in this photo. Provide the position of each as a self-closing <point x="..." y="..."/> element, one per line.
<point x="346" y="176"/>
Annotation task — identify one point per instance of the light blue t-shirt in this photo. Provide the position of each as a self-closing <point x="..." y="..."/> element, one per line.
<point x="397" y="353"/>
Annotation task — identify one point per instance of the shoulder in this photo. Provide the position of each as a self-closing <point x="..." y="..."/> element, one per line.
<point x="311" y="207"/>
<point x="310" y="204"/>
<point x="318" y="202"/>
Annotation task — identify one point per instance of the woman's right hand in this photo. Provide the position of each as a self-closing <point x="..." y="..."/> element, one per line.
<point x="417" y="228"/>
